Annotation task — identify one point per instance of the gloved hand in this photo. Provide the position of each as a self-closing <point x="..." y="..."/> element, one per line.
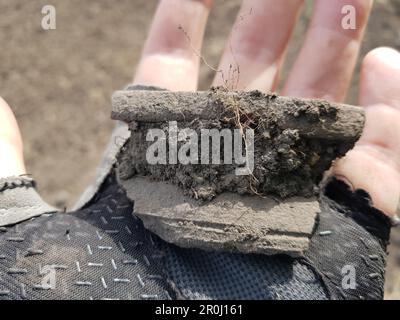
<point x="102" y="251"/>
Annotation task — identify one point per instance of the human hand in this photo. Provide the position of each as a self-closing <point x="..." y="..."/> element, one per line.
<point x="257" y="45"/>
<point x="11" y="154"/>
<point x="323" y="69"/>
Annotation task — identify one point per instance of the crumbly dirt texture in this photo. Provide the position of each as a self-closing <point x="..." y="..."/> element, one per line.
<point x="295" y="140"/>
<point x="210" y="207"/>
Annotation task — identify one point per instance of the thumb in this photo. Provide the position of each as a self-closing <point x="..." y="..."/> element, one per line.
<point x="11" y="149"/>
<point x="374" y="164"/>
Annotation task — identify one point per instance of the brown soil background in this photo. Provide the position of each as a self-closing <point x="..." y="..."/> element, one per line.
<point x="59" y="82"/>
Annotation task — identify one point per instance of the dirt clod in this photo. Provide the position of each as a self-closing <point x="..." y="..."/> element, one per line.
<point x="271" y="209"/>
<point x="295" y="140"/>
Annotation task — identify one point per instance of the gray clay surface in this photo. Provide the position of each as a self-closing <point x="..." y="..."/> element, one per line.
<point x="295" y="140"/>
<point x="272" y="211"/>
<point x="230" y="222"/>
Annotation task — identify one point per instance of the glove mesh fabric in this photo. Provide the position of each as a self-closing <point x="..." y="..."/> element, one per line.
<point x="104" y="252"/>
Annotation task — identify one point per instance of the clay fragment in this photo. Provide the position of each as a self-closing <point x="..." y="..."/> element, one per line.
<point x="273" y="209"/>
<point x="230" y="222"/>
<point x="295" y="141"/>
<point x="312" y="117"/>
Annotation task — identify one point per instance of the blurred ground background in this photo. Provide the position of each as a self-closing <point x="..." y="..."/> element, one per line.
<point x="59" y="82"/>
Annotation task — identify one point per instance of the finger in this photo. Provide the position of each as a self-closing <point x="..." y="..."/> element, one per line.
<point x="11" y="154"/>
<point x="171" y="55"/>
<point x="255" y="49"/>
<point x="374" y="164"/>
<point x="327" y="59"/>
<point x="381" y="63"/>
